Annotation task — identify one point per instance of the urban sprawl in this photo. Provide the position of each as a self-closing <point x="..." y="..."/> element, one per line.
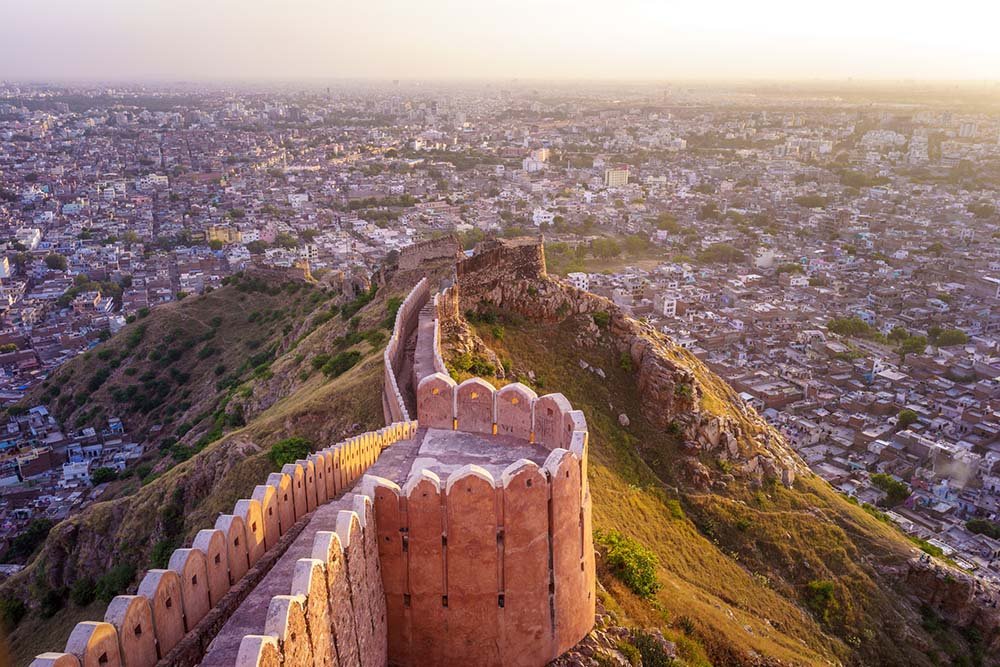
<point x="837" y="262"/>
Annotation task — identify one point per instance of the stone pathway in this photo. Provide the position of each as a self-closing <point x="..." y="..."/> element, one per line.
<point x="394" y="463"/>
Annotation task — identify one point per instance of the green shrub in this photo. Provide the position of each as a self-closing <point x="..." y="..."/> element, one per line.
<point x="631" y="653"/>
<point x="83" y="592"/>
<point x="822" y="600"/>
<point x="289" y="450"/>
<point x="12" y="610"/>
<point x="114" y="582"/>
<point x="602" y="318"/>
<point x="341" y="363"/>
<point x="652" y="652"/>
<point x="625" y="361"/>
<point x="629" y="561"/>
<point x="28" y="540"/>
<point x="160" y="556"/>
<point x="103" y="475"/>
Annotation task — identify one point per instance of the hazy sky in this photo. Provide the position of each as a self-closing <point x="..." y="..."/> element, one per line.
<point x="576" y="39"/>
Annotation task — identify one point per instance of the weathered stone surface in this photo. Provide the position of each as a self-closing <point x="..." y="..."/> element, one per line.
<point x="526" y="617"/>
<point x="392" y="560"/>
<point x="133" y="620"/>
<point x="327" y="547"/>
<point x="373" y="592"/>
<point x="190" y="566"/>
<point x="284" y="498"/>
<point x="472" y="569"/>
<point x="436" y="401"/>
<point x="426" y="566"/>
<point x="266" y="496"/>
<point x="253" y="525"/>
<point x="297" y="475"/>
<point x="550" y="411"/>
<point x="514" y="410"/>
<point x="236" y="545"/>
<point x="163" y="590"/>
<point x="52" y="659"/>
<point x="286" y="620"/>
<point x="573" y="601"/>
<point x="259" y="651"/>
<point x="309" y="580"/>
<point x="212" y="543"/>
<point x="474" y="406"/>
<point x="94" y="644"/>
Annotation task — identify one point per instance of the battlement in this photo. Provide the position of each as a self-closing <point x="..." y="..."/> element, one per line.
<point x="176" y="611"/>
<point x="469" y="542"/>
<point x="407" y="317"/>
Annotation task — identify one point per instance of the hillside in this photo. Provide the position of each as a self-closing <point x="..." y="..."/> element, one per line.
<point x="755" y="561"/>
<point x="213" y="381"/>
<point x="758" y="561"/>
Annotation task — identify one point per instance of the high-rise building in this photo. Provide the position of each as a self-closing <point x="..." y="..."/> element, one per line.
<point x="616" y="176"/>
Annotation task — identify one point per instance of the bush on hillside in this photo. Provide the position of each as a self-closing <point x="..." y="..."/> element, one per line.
<point x="289" y="450"/>
<point x="629" y="561"/>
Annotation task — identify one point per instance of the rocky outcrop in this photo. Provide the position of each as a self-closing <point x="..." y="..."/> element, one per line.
<point x="678" y="393"/>
<point x="961" y="599"/>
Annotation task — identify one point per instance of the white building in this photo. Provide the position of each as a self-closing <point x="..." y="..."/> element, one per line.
<point x="579" y="280"/>
<point x="542" y="217"/>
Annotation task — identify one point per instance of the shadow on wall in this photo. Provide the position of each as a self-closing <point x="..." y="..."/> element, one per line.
<point x="162" y="621"/>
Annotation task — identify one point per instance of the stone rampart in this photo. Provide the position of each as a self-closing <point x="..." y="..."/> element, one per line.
<point x="334" y="613"/>
<point x="176" y="611"/>
<point x="407" y="318"/>
<point x="486" y="571"/>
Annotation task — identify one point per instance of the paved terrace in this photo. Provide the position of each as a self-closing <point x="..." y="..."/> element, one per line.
<point x="439" y="451"/>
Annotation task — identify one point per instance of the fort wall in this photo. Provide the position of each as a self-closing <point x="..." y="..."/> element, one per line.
<point x="177" y="610"/>
<point x="407" y="318"/>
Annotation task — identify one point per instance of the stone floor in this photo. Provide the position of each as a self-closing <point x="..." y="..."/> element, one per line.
<point x="443" y="452"/>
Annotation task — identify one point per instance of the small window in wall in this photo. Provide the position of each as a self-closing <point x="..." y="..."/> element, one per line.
<point x="194" y="579"/>
<point x="236" y="541"/>
<point x="253" y="526"/>
<point x="515" y="400"/>
<point x="217" y="559"/>
<point x="474" y="395"/>
<point x="103" y="660"/>
<point x="138" y="631"/>
<point x="550" y="411"/>
<point x="169" y="603"/>
<point x="435" y="391"/>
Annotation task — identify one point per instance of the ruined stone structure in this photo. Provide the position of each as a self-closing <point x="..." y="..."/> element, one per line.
<point x="462" y="537"/>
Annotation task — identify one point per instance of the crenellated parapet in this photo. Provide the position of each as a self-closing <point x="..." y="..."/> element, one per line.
<point x="406" y="322"/>
<point x="177" y="610"/>
<point x="468" y="542"/>
<point x="334" y="611"/>
<point x="483" y="570"/>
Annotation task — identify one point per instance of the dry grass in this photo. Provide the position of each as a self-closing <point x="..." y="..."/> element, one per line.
<point x="735" y="564"/>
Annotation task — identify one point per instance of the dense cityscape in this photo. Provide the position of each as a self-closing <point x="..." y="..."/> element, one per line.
<point x="837" y="260"/>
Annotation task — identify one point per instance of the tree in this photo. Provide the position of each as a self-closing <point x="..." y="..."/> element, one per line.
<point x="895" y="491"/>
<point x="912" y="345"/>
<point x="215" y="244"/>
<point x="605" y="248"/>
<point x="102" y="475"/>
<point x="55" y="261"/>
<point x="950" y="337"/>
<point x="905" y="418"/>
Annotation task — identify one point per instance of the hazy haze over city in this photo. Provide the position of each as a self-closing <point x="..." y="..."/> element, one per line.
<point x="630" y="39"/>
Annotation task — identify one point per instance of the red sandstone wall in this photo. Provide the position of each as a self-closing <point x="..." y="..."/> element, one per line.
<point x="406" y="322"/>
<point x="484" y="571"/>
<point x="172" y="605"/>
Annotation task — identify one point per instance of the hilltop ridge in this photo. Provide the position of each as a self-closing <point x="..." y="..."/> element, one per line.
<point x="758" y="560"/>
